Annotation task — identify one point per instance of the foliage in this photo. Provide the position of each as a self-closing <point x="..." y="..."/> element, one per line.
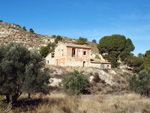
<point x="97" y="57"/>
<point x="141" y="83"/>
<point x="146" y="58"/>
<point x="82" y="41"/>
<point x="21" y="71"/>
<point x="75" y="83"/>
<point x="135" y="62"/>
<point x="1" y="20"/>
<point x="58" y="38"/>
<point x="24" y="28"/>
<point x="94" y="41"/>
<point x="140" y="62"/>
<point x="44" y="51"/>
<point x="18" y="25"/>
<point x="31" y="30"/>
<point x="115" y="47"/>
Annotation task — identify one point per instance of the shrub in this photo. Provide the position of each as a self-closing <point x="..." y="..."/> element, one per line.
<point x="97" y="57"/>
<point x="31" y="30"/>
<point x="94" y="41"/>
<point x="75" y="83"/>
<point x="82" y="41"/>
<point x="24" y="28"/>
<point x="140" y="83"/>
<point x="45" y="50"/>
<point x="58" y="38"/>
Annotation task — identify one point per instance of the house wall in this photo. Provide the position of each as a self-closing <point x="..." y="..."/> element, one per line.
<point x="98" y="65"/>
<point x="49" y="59"/>
<point x="79" y="57"/>
<point x="60" y="55"/>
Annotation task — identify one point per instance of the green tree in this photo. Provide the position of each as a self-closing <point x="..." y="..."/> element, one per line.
<point x="44" y="51"/>
<point x="24" y="28"/>
<point x="21" y="71"/>
<point x="140" y="83"/>
<point x="94" y="41"/>
<point x="1" y="20"/>
<point x="75" y="83"/>
<point x="137" y="64"/>
<point x="82" y="41"/>
<point x="147" y="59"/>
<point x="58" y="38"/>
<point x="115" y="47"/>
<point x="31" y="30"/>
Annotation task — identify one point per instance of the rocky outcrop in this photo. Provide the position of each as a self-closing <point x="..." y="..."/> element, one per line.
<point x="108" y="77"/>
<point x="14" y="33"/>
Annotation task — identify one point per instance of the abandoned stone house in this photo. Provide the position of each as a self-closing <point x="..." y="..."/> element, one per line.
<point x="75" y="55"/>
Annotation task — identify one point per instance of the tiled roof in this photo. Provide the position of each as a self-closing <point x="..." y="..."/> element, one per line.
<point x="78" y="46"/>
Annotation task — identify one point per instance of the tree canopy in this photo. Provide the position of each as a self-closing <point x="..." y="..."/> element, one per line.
<point x="140" y="83"/>
<point x="45" y="50"/>
<point x="24" y="28"/>
<point x="31" y="30"/>
<point x="94" y="41"/>
<point x="115" y="47"/>
<point x="21" y="71"/>
<point x="82" y="41"/>
<point x="140" y="62"/>
<point x="58" y="38"/>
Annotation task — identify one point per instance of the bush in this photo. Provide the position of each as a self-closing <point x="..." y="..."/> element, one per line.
<point x="24" y="28"/>
<point x="58" y="38"/>
<point x="1" y="20"/>
<point x="140" y="83"/>
<point x="82" y="41"/>
<point x="45" y="50"/>
<point x="75" y="83"/>
<point x="31" y="30"/>
<point x="94" y="41"/>
<point x="97" y="57"/>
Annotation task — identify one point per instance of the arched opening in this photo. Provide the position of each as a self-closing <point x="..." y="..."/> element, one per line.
<point x="84" y="63"/>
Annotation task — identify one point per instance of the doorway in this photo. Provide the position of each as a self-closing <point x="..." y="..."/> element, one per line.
<point x="84" y="63"/>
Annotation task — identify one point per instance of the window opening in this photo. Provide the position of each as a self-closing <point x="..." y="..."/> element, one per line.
<point x="84" y="52"/>
<point x="73" y="52"/>
<point x="52" y="55"/>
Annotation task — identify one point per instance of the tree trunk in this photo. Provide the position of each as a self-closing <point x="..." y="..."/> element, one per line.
<point x="7" y="98"/>
<point x="29" y="96"/>
<point x="12" y="102"/>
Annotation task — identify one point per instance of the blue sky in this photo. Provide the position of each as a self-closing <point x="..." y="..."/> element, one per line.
<point x="91" y="19"/>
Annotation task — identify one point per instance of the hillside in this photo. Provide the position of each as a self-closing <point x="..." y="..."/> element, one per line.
<point x="12" y="32"/>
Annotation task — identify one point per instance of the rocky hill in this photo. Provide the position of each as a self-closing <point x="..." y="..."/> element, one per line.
<point x="14" y="33"/>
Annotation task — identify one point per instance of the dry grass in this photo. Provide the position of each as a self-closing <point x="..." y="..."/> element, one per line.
<point x="60" y="103"/>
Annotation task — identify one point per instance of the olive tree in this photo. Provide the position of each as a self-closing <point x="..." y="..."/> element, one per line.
<point x="21" y="71"/>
